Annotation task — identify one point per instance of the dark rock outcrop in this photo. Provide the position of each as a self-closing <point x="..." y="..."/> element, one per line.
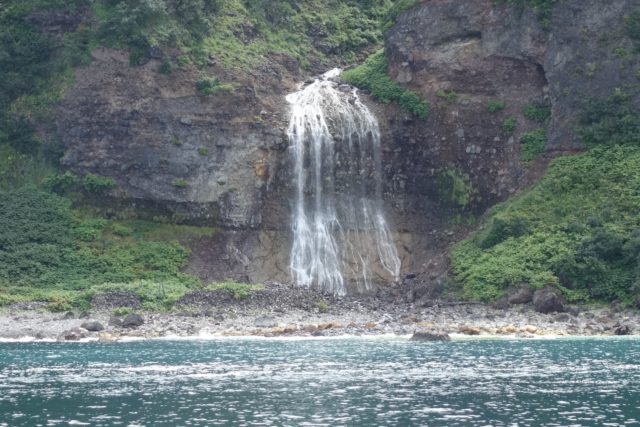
<point x="548" y="300"/>
<point x="623" y="330"/>
<point x="132" y="321"/>
<point x="92" y="326"/>
<point x="430" y="336"/>
<point x="523" y="295"/>
<point x="74" y="334"/>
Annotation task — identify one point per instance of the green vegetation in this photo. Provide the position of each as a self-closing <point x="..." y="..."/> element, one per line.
<point x="48" y="252"/>
<point x="494" y="106"/>
<point x="212" y="86"/>
<point x="610" y="121"/>
<point x="632" y="27"/>
<point x="97" y="184"/>
<point x="509" y="125"/>
<point x="454" y="189"/>
<point x="238" y="291"/>
<point x="532" y="144"/>
<point x="203" y="151"/>
<point x="372" y="76"/>
<point x="537" y="113"/>
<point x="180" y="183"/>
<point x="578" y="229"/>
<point x="447" y="96"/>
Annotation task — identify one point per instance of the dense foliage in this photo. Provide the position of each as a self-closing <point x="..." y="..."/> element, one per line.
<point x="46" y="248"/>
<point x="372" y="76"/>
<point x="578" y="229"/>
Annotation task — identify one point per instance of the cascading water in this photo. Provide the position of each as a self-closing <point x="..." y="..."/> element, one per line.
<point x="340" y="233"/>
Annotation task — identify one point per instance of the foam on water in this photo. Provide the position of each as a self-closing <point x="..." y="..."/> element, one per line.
<point x="322" y="382"/>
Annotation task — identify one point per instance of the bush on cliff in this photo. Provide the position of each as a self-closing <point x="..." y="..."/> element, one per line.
<point x="372" y="76"/>
<point x="578" y="229"/>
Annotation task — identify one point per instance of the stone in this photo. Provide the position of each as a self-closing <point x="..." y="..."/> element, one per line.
<point x="623" y="330"/>
<point x="107" y="337"/>
<point x="74" y="334"/>
<point x="132" y="321"/>
<point x="430" y="336"/>
<point x="530" y="329"/>
<point x="265" y="322"/>
<point x="115" y="321"/>
<point x="562" y="317"/>
<point x="524" y="295"/>
<point x="548" y="300"/>
<point x="92" y="326"/>
<point x="469" y="330"/>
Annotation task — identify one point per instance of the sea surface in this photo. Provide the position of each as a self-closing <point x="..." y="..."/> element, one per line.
<point x="322" y="382"/>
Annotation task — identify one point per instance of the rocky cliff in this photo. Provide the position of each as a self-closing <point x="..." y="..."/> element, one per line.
<point x="222" y="159"/>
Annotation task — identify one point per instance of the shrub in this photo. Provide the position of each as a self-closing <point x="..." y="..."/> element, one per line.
<point x="448" y="96"/>
<point x="212" y="86"/>
<point x="98" y="184"/>
<point x="60" y="183"/>
<point x="495" y="106"/>
<point x="537" y="113"/>
<point x="372" y="76"/>
<point x="180" y="183"/>
<point x="532" y="144"/>
<point x="203" y="151"/>
<point x="239" y="291"/>
<point x="578" y="229"/>
<point x="610" y="121"/>
<point x="509" y="125"/>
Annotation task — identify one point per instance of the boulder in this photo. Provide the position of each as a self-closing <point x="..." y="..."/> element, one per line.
<point x="132" y="321"/>
<point x="469" y="330"/>
<point x="115" y="321"/>
<point x="74" y="334"/>
<point x="623" y="330"/>
<point x="265" y="322"/>
<point x="548" y="300"/>
<point x="430" y="336"/>
<point x="92" y="326"/>
<point x="524" y="295"/>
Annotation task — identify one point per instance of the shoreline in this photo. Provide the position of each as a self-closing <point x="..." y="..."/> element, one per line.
<point x="348" y="321"/>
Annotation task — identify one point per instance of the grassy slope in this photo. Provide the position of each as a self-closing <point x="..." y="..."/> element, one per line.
<point x="578" y="229"/>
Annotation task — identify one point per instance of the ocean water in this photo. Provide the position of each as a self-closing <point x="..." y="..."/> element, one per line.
<point x="322" y="382"/>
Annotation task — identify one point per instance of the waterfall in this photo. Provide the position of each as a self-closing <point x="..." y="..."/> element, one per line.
<point x="340" y="234"/>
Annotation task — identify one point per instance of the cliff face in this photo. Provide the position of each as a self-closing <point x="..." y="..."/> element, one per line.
<point x="482" y="48"/>
<point x="222" y="160"/>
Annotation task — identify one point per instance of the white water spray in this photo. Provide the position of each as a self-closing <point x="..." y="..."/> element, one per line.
<point x="339" y="228"/>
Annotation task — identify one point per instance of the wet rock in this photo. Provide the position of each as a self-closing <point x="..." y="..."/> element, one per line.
<point x="548" y="300"/>
<point x="469" y="330"/>
<point x="74" y="334"/>
<point x="623" y="330"/>
<point x="265" y="322"/>
<point x="430" y="336"/>
<point x="92" y="326"/>
<point x="524" y="295"/>
<point x="132" y="321"/>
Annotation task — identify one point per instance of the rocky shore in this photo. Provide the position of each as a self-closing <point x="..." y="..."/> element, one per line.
<point x="285" y="311"/>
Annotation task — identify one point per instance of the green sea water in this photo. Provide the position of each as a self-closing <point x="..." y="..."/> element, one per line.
<point x="322" y="382"/>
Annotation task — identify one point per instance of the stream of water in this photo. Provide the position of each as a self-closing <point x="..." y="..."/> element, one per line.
<point x="341" y="236"/>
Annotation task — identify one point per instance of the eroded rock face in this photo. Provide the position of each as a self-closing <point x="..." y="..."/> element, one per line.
<point x="172" y="152"/>
<point x="222" y="160"/>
